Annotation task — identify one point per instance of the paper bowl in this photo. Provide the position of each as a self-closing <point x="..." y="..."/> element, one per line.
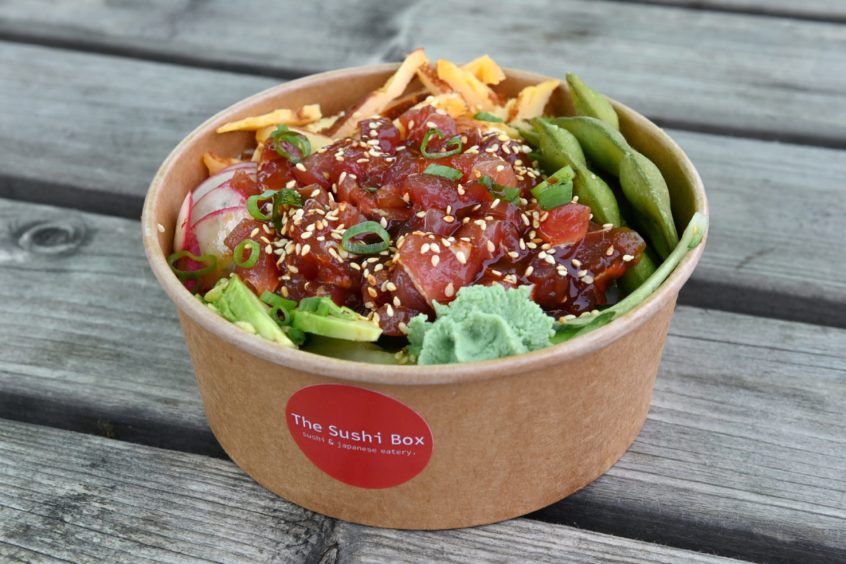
<point x="489" y="440"/>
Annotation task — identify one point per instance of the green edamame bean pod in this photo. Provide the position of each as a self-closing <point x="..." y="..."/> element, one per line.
<point x="560" y="148"/>
<point x="602" y="144"/>
<point x="645" y="188"/>
<point x="639" y="273"/>
<point x="591" y="103"/>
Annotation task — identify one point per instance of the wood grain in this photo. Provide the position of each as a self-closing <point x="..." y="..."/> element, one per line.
<point x="704" y="70"/>
<point x="818" y="10"/>
<point x="744" y="443"/>
<point x="87" y="499"/>
<point x="774" y="247"/>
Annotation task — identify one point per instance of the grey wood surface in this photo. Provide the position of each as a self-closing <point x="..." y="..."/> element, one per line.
<point x="744" y="443"/>
<point x="822" y="10"/>
<point x="79" y="498"/>
<point x="699" y="69"/>
<point x="775" y="215"/>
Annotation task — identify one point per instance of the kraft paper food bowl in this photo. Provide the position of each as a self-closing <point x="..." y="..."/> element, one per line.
<point x="422" y="447"/>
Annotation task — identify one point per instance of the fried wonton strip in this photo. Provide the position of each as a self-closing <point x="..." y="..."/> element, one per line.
<point x="379" y="99"/>
<point x="475" y="92"/>
<point x="452" y="103"/>
<point x="304" y="115"/>
<point x="430" y="80"/>
<point x="215" y="163"/>
<point x="485" y="69"/>
<point x="530" y="102"/>
<point x="323" y="123"/>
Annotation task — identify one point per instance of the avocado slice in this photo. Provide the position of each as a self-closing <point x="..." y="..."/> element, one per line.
<point x="234" y="301"/>
<point x="350" y="350"/>
<point x="320" y="316"/>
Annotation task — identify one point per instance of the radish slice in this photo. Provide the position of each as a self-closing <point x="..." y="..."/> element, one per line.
<point x="207" y="216"/>
<point x="224" y="175"/>
<point x="212" y="230"/>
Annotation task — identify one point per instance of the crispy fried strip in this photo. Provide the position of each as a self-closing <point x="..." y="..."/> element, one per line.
<point x="304" y="115"/>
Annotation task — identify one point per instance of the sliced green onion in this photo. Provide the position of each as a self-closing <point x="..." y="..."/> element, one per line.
<point x="278" y="305"/>
<point x="362" y="229"/>
<point x="443" y="171"/>
<point x="556" y="190"/>
<point x="485" y="116"/>
<point x="554" y="197"/>
<point x="455" y="142"/>
<point x="507" y="193"/>
<point x="209" y="261"/>
<point x="281" y="200"/>
<point x="238" y="253"/>
<point x="254" y="205"/>
<point x="298" y="140"/>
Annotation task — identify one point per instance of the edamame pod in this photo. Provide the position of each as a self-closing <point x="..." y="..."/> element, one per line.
<point x="639" y="273"/>
<point x="591" y="103"/>
<point x="604" y="146"/>
<point x="560" y="148"/>
<point x="646" y="190"/>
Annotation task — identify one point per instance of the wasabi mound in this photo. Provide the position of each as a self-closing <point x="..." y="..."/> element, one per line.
<point x="482" y="323"/>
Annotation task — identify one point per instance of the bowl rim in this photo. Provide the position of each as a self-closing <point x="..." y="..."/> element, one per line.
<point x="408" y="375"/>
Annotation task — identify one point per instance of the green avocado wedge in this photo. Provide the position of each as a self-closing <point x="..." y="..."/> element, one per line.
<point x="234" y="301"/>
<point x="320" y="316"/>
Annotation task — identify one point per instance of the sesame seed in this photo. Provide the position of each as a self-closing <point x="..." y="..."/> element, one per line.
<point x="396" y="301"/>
<point x="529" y="270"/>
<point x="582" y="273"/>
<point x="306" y="249"/>
<point x="588" y="279"/>
<point x="549" y="259"/>
<point x="449" y="291"/>
<point x="490" y="246"/>
<point x="542" y="255"/>
<point x="576" y="263"/>
<point x="293" y="268"/>
<point x="307" y="234"/>
<point x="284" y="291"/>
<point x="160" y="228"/>
<point x="391" y="286"/>
<point x="462" y="258"/>
<point x="389" y="310"/>
<point x="628" y="258"/>
<point x="372" y="292"/>
<point x="495" y="203"/>
<point x="300" y="166"/>
<point x="355" y="266"/>
<point x="435" y="260"/>
<point x="449" y="218"/>
<point x="402" y="326"/>
<point x="268" y="249"/>
<point x="513" y="254"/>
<point x="435" y="248"/>
<point x="378" y="267"/>
<point x="424" y="249"/>
<point x="609" y="251"/>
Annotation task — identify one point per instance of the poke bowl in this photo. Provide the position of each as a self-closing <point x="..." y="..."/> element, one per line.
<point x="466" y="335"/>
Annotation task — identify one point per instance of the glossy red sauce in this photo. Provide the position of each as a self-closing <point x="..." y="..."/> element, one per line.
<point x="445" y="234"/>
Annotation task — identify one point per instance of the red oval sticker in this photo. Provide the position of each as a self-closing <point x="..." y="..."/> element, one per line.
<point x="360" y="437"/>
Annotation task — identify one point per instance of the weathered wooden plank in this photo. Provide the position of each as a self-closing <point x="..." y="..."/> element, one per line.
<point x="87" y="131"/>
<point x="745" y="439"/>
<point x="773" y="204"/>
<point x="704" y="70"/>
<point x="821" y="10"/>
<point x="79" y="498"/>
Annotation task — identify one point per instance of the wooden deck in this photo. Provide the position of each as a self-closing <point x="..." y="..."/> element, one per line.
<point x="105" y="454"/>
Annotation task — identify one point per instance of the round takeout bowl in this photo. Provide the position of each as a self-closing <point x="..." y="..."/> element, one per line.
<point x="505" y="437"/>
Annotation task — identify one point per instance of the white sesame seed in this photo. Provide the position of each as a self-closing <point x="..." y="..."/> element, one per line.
<point x="435" y="248"/>
<point x="389" y="310"/>
<point x="628" y="258"/>
<point x="529" y="270"/>
<point x="582" y="273"/>
<point x="609" y="251"/>
<point x="462" y="258"/>
<point x="549" y="259"/>
<point x="435" y="260"/>
<point x="396" y="301"/>
<point x="391" y="286"/>
<point x="306" y="249"/>
<point x="160" y="228"/>
<point x="372" y="292"/>
<point x="490" y="246"/>
<point x="293" y="268"/>
<point x="268" y="249"/>
<point x="449" y="291"/>
<point x="576" y="263"/>
<point x="300" y="166"/>
<point x="424" y="248"/>
<point x="588" y="279"/>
